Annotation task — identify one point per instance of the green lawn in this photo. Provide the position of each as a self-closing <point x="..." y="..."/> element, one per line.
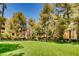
<point x="36" y="48"/>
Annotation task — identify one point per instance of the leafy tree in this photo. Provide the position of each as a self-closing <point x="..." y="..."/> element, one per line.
<point x="19" y="20"/>
<point x="32" y="24"/>
<point x="69" y="13"/>
<point x="2" y="20"/>
<point x="45" y="15"/>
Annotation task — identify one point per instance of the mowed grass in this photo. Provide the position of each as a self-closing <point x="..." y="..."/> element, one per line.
<point x="8" y="47"/>
<point x="36" y="48"/>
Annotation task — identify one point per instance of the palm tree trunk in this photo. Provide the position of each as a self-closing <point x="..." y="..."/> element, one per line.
<point x="3" y="10"/>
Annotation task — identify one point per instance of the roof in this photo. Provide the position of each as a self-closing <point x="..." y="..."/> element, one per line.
<point x="71" y="26"/>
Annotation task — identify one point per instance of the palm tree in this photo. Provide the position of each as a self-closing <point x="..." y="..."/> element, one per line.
<point x="3" y="8"/>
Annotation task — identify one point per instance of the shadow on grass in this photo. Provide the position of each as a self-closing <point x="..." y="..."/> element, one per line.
<point x="9" y="47"/>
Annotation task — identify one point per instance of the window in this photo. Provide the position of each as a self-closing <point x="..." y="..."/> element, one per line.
<point x="12" y="33"/>
<point x="3" y="28"/>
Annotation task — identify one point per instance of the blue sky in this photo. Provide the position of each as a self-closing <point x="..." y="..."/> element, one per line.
<point x="28" y="9"/>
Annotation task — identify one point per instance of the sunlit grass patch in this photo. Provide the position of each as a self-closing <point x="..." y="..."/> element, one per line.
<point x="37" y="48"/>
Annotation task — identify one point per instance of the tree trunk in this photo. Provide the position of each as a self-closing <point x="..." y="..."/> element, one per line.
<point x="2" y="10"/>
<point x="69" y="34"/>
<point x="78" y="30"/>
<point x="0" y="31"/>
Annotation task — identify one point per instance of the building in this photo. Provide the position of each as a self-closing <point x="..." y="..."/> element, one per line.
<point x="71" y="31"/>
<point x="3" y="27"/>
<point x="7" y="32"/>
